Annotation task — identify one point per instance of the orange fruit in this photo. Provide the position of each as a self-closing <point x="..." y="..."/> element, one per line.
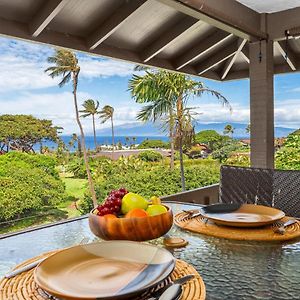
<point x="110" y="216"/>
<point x="136" y="213"/>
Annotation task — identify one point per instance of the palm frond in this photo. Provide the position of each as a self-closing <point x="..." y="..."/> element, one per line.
<point x="90" y="107"/>
<point x="216" y="94"/>
<point x="141" y="68"/>
<point x="65" y="63"/>
<point x="65" y="79"/>
<point x="106" y="113"/>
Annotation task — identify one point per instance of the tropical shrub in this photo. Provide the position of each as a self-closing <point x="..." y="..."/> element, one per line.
<point x="176" y="156"/>
<point x="240" y="159"/>
<point x="150" y="180"/>
<point x="44" y="162"/>
<point x="223" y="153"/>
<point x="26" y="186"/>
<point x="77" y="167"/>
<point x="153" y="144"/>
<point x="212" y="139"/>
<point x="150" y="155"/>
<point x="288" y="157"/>
<point x="194" y="152"/>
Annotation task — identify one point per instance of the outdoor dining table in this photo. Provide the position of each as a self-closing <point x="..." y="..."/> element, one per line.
<point x="230" y="269"/>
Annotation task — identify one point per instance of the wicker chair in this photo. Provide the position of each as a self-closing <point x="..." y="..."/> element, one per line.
<point x="276" y="188"/>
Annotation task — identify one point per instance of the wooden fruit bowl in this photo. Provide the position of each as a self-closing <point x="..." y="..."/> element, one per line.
<point x="133" y="229"/>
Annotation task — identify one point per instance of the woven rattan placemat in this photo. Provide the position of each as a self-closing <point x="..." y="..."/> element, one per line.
<point x="266" y="233"/>
<point x="23" y="287"/>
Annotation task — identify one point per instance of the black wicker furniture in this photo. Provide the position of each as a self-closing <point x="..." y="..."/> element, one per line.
<point x="276" y="188"/>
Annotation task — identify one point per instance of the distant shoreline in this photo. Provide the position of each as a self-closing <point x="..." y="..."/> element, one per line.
<point x="105" y="141"/>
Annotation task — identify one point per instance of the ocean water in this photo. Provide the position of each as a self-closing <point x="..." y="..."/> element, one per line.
<point x="103" y="140"/>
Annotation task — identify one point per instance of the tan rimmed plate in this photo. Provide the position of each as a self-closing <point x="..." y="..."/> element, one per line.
<point x="104" y="270"/>
<point x="247" y="215"/>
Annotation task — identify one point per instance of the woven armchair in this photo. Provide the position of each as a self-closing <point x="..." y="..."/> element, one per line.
<point x="276" y="188"/>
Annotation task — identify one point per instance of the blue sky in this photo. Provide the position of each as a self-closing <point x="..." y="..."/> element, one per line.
<point x="26" y="89"/>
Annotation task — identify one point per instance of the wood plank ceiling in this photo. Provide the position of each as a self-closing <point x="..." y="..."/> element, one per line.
<point x="208" y="39"/>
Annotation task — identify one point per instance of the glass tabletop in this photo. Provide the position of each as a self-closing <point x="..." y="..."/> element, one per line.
<point x="230" y="269"/>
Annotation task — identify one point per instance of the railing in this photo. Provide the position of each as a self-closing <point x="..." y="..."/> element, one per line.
<point x="205" y="195"/>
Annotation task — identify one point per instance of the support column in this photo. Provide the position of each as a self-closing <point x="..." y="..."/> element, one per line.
<point x="262" y="104"/>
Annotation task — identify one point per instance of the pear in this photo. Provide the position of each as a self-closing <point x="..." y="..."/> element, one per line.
<point x="131" y="201"/>
<point x="156" y="209"/>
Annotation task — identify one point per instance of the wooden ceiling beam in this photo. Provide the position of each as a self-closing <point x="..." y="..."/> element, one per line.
<point x="215" y="59"/>
<point x="168" y="38"/>
<point x="45" y="15"/>
<point x="201" y="48"/>
<point x="232" y="60"/>
<point x="227" y="15"/>
<point x="116" y="20"/>
<point x="243" y="74"/>
<point x="245" y="54"/>
<point x="279" y="22"/>
<point x="288" y="55"/>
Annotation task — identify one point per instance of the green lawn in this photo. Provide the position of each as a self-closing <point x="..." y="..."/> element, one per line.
<point x="75" y="187"/>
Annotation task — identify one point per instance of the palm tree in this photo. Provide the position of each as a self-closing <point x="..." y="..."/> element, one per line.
<point x="228" y="129"/>
<point x="248" y="129"/>
<point x="134" y="140"/>
<point x="166" y="94"/>
<point x="148" y="89"/>
<point x="91" y="109"/>
<point x="65" y="65"/>
<point x="107" y="113"/>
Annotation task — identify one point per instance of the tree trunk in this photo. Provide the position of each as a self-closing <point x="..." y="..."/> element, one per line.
<point x="180" y="137"/>
<point x="85" y="157"/>
<point x="112" y="137"/>
<point x="79" y="147"/>
<point x="181" y="164"/>
<point x="94" y="130"/>
<point x="171" y="136"/>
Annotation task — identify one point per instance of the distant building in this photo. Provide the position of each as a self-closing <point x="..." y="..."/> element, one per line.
<point x="245" y="142"/>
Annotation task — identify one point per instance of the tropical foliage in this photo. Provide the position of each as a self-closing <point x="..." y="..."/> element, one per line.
<point x="153" y="144"/>
<point x="150" y="155"/>
<point x="150" y="179"/>
<point x="166" y="96"/>
<point x="22" y="132"/>
<point x="211" y="138"/>
<point x="27" y="183"/>
<point x="228" y="148"/>
<point x="288" y="157"/>
<point x="228" y="129"/>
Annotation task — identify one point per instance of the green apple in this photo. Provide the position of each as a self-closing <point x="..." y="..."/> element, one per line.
<point x="156" y="209"/>
<point x="131" y="201"/>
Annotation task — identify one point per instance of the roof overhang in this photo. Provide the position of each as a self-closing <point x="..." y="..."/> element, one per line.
<point x="208" y="38"/>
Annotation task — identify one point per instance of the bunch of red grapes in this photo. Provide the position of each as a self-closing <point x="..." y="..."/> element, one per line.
<point x="113" y="202"/>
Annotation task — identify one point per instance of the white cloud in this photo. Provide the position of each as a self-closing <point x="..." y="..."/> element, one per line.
<point x="93" y="68"/>
<point x="297" y="89"/>
<point x="19" y="73"/>
<point x="22" y="66"/>
<point x="287" y="113"/>
<point x="215" y="112"/>
<point x="59" y="107"/>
